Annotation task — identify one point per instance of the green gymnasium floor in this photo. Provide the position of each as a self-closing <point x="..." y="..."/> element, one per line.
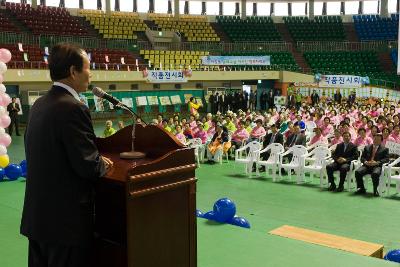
<point x="265" y="204"/>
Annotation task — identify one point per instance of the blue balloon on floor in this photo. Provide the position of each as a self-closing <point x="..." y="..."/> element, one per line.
<point x="224" y="209"/>
<point x="199" y="213"/>
<point x="23" y="168"/>
<point x="209" y="215"/>
<point x="393" y="255"/>
<point x="13" y="171"/>
<point x="239" y="221"/>
<point x="2" y="174"/>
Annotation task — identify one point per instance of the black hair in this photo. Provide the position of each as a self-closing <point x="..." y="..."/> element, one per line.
<point x="62" y="57"/>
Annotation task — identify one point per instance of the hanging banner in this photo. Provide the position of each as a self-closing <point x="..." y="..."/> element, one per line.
<point x="165" y="76"/>
<point x="336" y="81"/>
<point x="236" y="60"/>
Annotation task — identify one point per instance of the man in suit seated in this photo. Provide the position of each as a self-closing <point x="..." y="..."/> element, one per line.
<point x="296" y="138"/>
<point x="274" y="137"/>
<point x="372" y="159"/>
<point x="344" y="153"/>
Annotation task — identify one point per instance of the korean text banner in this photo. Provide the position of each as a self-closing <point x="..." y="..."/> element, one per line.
<point x="166" y="76"/>
<point x="346" y="81"/>
<point x="236" y="60"/>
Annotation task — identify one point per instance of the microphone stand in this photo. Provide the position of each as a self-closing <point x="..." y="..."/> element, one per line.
<point x="131" y="154"/>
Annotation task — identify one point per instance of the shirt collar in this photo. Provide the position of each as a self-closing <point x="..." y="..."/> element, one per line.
<point x="69" y="89"/>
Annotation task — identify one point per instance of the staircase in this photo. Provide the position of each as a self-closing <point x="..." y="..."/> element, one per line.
<point x="88" y="27"/>
<point x="298" y="57"/>
<point x="151" y="24"/>
<point x="20" y="25"/>
<point x="284" y="32"/>
<point x="220" y="32"/>
<point x="386" y="62"/>
<point x="350" y="31"/>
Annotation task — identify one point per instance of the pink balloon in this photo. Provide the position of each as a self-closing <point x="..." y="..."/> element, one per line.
<point x="5" y="55"/>
<point x="5" y="140"/>
<point x="5" y="121"/>
<point x="6" y="99"/>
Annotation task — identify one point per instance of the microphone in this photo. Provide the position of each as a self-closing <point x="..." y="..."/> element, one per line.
<point x="100" y="93"/>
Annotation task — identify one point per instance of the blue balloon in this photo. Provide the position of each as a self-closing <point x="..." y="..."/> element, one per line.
<point x="23" y="168"/>
<point x="199" y="213"/>
<point x="2" y="174"/>
<point x="13" y="171"/>
<point x="393" y="255"/>
<point x="209" y="215"/>
<point x="224" y="210"/>
<point x="239" y="221"/>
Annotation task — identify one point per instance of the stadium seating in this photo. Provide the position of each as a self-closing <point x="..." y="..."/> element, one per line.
<point x="118" y="25"/>
<point x="6" y="25"/>
<point x="251" y="29"/>
<point x="47" y="20"/>
<point x="279" y="60"/>
<point x="24" y="59"/>
<point x="174" y="59"/>
<point x="374" y="27"/>
<point x="194" y="28"/>
<point x="322" y="28"/>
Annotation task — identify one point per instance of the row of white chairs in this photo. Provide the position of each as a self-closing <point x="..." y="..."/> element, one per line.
<point x="313" y="162"/>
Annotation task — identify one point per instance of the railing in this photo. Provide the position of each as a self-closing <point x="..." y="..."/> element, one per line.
<point x="15" y="38"/>
<point x="87" y="42"/>
<point x="378" y="46"/>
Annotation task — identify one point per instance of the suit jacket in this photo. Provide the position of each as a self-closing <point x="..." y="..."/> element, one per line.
<point x="63" y="166"/>
<point x="13" y="113"/>
<point x="301" y="140"/>
<point x="350" y="154"/>
<point x="381" y="155"/>
<point x="337" y="97"/>
<point x="278" y="139"/>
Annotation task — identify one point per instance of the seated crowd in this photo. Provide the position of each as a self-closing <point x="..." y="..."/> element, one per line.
<point x="344" y="128"/>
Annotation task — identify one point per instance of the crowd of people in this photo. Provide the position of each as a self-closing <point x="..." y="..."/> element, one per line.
<point x="341" y="125"/>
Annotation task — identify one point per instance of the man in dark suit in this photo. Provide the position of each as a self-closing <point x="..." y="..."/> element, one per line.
<point x="63" y="166"/>
<point x="271" y="98"/>
<point x="352" y="98"/>
<point x="263" y="100"/>
<point x="211" y="102"/>
<point x="291" y="101"/>
<point x="273" y="137"/>
<point x="314" y="98"/>
<point x="372" y="159"/>
<point x="337" y="96"/>
<point x="344" y="153"/>
<point x="296" y="138"/>
<point x="13" y="109"/>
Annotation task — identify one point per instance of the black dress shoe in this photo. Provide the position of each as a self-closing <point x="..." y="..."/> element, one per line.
<point x="340" y="189"/>
<point x="332" y="187"/>
<point x="261" y="169"/>
<point x="360" y="191"/>
<point x="376" y="194"/>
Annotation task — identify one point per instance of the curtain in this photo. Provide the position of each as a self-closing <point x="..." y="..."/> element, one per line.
<point x="169" y="7"/>
<point x="151" y="6"/>
<point x="254" y="9"/>
<point x="99" y="5"/>
<point x="272" y="9"/>
<point x="116" y="5"/>
<point x="324" y="9"/>
<point x="289" y="9"/>
<point x="62" y="3"/>
<point x="134" y="5"/>
<point x="81" y="4"/>
<point x="203" y="8"/>
<point x="237" y="12"/>
<point x="360" y="7"/>
<point x="342" y="8"/>
<point x="306" y="10"/>
<point x="186" y="7"/>
<point x="221" y="8"/>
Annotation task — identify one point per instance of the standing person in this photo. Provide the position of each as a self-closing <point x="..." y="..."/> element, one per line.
<point x="63" y="167"/>
<point x="352" y="98"/>
<point x="263" y="100"/>
<point x="337" y="96"/>
<point x="253" y="99"/>
<point x="13" y="109"/>
<point x="298" y="100"/>
<point x="314" y="98"/>
<point x="211" y="102"/>
<point x="291" y="102"/>
<point x="270" y="98"/>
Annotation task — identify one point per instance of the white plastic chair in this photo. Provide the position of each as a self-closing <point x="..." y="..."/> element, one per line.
<point x="249" y="156"/>
<point x="320" y="156"/>
<point x="310" y="126"/>
<point x="272" y="162"/>
<point x="299" y="153"/>
<point x="388" y="169"/>
<point x="198" y="149"/>
<point x="355" y="164"/>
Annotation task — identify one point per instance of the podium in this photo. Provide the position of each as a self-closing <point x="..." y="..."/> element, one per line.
<point x="145" y="209"/>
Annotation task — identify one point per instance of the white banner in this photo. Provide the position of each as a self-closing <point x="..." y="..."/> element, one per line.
<point x="166" y="76"/>
<point x="338" y="81"/>
<point x="236" y="60"/>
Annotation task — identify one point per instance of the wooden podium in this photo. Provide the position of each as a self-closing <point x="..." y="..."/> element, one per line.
<point x="145" y="209"/>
